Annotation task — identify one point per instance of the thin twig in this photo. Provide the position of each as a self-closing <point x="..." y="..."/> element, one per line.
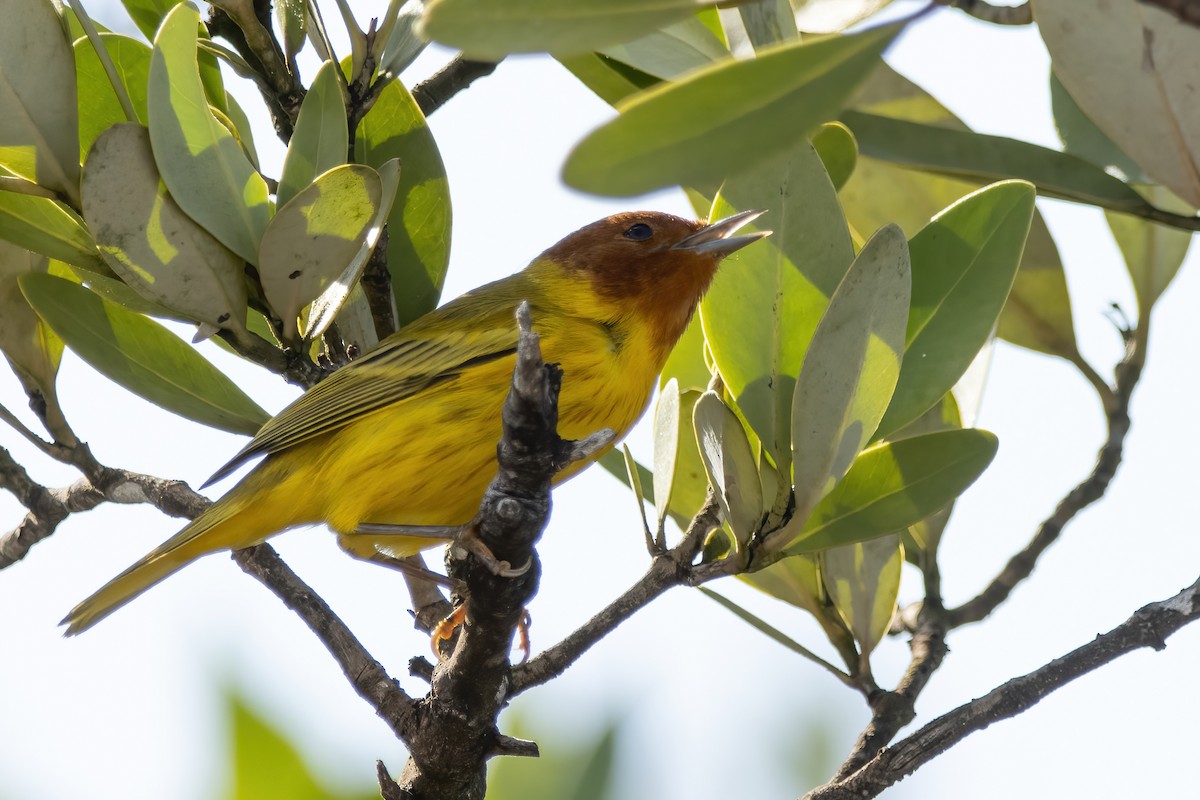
<point x="997" y="15"/>
<point x="1150" y="626"/>
<point x="1091" y="489"/>
<point x="432" y="94"/>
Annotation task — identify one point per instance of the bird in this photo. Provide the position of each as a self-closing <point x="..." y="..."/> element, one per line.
<point x="405" y="435"/>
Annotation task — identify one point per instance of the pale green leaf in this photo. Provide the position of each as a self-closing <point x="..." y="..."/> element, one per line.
<point x="147" y="239"/>
<point x="851" y="368"/>
<point x="148" y="14"/>
<point x="768" y="22"/>
<point x="835" y="145"/>
<point x="724" y="119"/>
<point x="492" y="29"/>
<point x="730" y="464"/>
<point x="200" y="161"/>
<point x="401" y="42"/>
<point x="892" y="485"/>
<point x="291" y="17"/>
<point x="829" y="16"/>
<point x="1153" y="253"/>
<point x="418" y="247"/>
<point x="670" y="52"/>
<point x="634" y="477"/>
<point x="1081" y="137"/>
<point x="141" y="355"/>
<point x="863" y="581"/>
<point x="765" y="303"/>
<point x="39" y="129"/>
<point x="32" y="349"/>
<point x="963" y="265"/>
<point x="666" y="447"/>
<point x="313" y="239"/>
<point x="1131" y="67"/>
<point x="611" y="80"/>
<point x="321" y="137"/>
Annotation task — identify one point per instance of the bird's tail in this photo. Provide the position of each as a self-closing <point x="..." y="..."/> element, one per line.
<point x="221" y="526"/>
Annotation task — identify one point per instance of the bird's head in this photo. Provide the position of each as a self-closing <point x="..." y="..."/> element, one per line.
<point x="653" y="264"/>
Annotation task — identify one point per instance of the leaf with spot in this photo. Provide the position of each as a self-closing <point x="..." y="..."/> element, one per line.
<point x="158" y="250"/>
<point x="313" y="239"/>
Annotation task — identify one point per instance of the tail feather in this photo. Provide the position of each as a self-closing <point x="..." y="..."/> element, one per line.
<point x="216" y="529"/>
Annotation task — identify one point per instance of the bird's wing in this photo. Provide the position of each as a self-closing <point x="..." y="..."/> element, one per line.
<point x="401" y="366"/>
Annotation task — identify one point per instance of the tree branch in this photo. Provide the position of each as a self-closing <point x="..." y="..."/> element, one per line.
<point x="1091" y="489"/>
<point x="1148" y="627"/>
<point x="432" y="94"/>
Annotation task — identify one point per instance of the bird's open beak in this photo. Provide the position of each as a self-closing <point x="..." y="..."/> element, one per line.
<point x="717" y="238"/>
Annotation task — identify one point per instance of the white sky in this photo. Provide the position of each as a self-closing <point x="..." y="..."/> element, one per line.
<point x="713" y="709"/>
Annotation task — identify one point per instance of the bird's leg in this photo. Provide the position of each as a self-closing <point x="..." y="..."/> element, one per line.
<point x="444" y="631"/>
<point x="468" y="537"/>
<point x="465" y="535"/>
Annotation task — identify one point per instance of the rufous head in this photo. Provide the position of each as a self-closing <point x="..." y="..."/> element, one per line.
<point x="654" y="263"/>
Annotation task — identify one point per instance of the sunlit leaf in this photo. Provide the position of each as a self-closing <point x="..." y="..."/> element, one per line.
<point x="147" y="239"/>
<point x="492" y="29"/>
<point x="963" y="265"/>
<point x="39" y="129"/>
<point x="418" y="246"/>
<point x="766" y="302"/>
<point x="835" y="145"/>
<point x="48" y="227"/>
<point x="292" y="18"/>
<point x="32" y="349"/>
<point x="730" y="464"/>
<point x="313" y="239"/>
<point x="98" y="103"/>
<point x="200" y="161"/>
<point x="611" y="80"/>
<point x="724" y="119"/>
<point x="320" y="139"/>
<point x="892" y="485"/>
<point x="1038" y="312"/>
<point x="148" y="14"/>
<point x="863" y="581"/>
<point x="851" y="368"/>
<point x="141" y="355"/>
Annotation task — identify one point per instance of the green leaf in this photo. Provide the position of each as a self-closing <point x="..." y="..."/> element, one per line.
<point x="330" y="302"/>
<point x="48" y="227"/>
<point x="321" y="137"/>
<point x="634" y="480"/>
<point x="666" y="447"/>
<point x="32" y="349"/>
<point x="98" y="104"/>
<point x="1131" y="69"/>
<point x="768" y="22"/>
<point x="835" y="145"/>
<point x="265" y="763"/>
<point x="1038" y="312"/>
<point x="39" y="129"/>
<point x="200" y="161"/>
<point x="401" y="43"/>
<point x="671" y="51"/>
<point x="730" y="463"/>
<point x="724" y="119"/>
<point x="611" y="80"/>
<point x="418" y="247"/>
<point x="892" y="485"/>
<point x="1081" y="137"/>
<point x="492" y="29"/>
<point x="765" y="303"/>
<point x="963" y="265"/>
<point x="141" y="355"/>
<point x="686" y="363"/>
<point x="1153" y="253"/>
<point x="863" y="581"/>
<point x="315" y="237"/>
<point x="147" y="239"/>
<point x="148" y="14"/>
<point x="291" y="16"/>
<point x="851" y="368"/>
<point x="976" y="156"/>
<point x="119" y="292"/>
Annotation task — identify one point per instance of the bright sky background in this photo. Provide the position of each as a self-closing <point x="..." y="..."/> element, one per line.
<point x="713" y="709"/>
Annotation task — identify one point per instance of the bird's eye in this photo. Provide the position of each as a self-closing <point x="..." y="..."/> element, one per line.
<point x="639" y="232"/>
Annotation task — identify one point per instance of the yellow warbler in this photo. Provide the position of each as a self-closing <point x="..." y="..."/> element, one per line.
<point x="406" y="434"/>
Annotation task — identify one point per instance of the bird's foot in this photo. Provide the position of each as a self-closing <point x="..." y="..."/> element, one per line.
<point x="469" y="538"/>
